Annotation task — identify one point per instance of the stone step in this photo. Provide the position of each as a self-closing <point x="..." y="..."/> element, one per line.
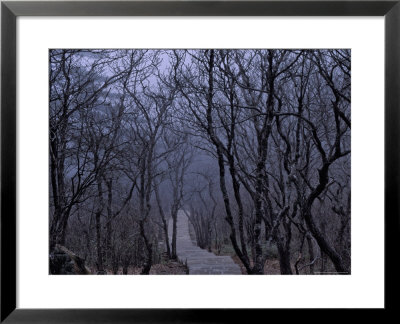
<point x="199" y="261"/>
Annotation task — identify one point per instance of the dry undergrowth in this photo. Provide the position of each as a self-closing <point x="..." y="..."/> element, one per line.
<point x="166" y="268"/>
<point x="271" y="267"/>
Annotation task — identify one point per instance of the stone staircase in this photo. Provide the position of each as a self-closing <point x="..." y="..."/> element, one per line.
<point x="199" y="261"/>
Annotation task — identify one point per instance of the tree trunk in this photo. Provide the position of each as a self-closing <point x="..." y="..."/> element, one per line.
<point x="100" y="266"/>
<point x="109" y="249"/>
<point x="284" y="258"/>
<point x="148" y="245"/>
<point x="164" y="222"/>
<point x="174" y="233"/>
<point x="236" y="191"/>
<point x="311" y="253"/>
<point x="322" y="242"/>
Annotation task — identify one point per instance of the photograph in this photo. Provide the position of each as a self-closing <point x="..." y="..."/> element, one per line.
<point x="199" y="161"/>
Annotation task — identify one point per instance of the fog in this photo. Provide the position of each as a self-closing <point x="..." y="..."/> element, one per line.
<point x="251" y="147"/>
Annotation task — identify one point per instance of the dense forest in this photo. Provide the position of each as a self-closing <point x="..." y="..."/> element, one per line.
<point x="252" y="147"/>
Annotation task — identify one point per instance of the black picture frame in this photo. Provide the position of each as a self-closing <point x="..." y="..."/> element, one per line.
<point x="10" y="10"/>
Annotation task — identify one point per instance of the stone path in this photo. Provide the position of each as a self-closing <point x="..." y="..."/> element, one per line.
<point x="199" y="261"/>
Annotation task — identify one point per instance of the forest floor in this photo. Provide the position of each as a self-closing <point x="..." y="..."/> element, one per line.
<point x="169" y="268"/>
<point x="271" y="267"/>
<point x="166" y="268"/>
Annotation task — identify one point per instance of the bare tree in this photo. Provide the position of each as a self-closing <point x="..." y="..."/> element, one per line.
<point x="254" y="145"/>
<point x="76" y="84"/>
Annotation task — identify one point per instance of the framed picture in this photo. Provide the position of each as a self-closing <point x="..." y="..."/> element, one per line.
<point x="257" y="172"/>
